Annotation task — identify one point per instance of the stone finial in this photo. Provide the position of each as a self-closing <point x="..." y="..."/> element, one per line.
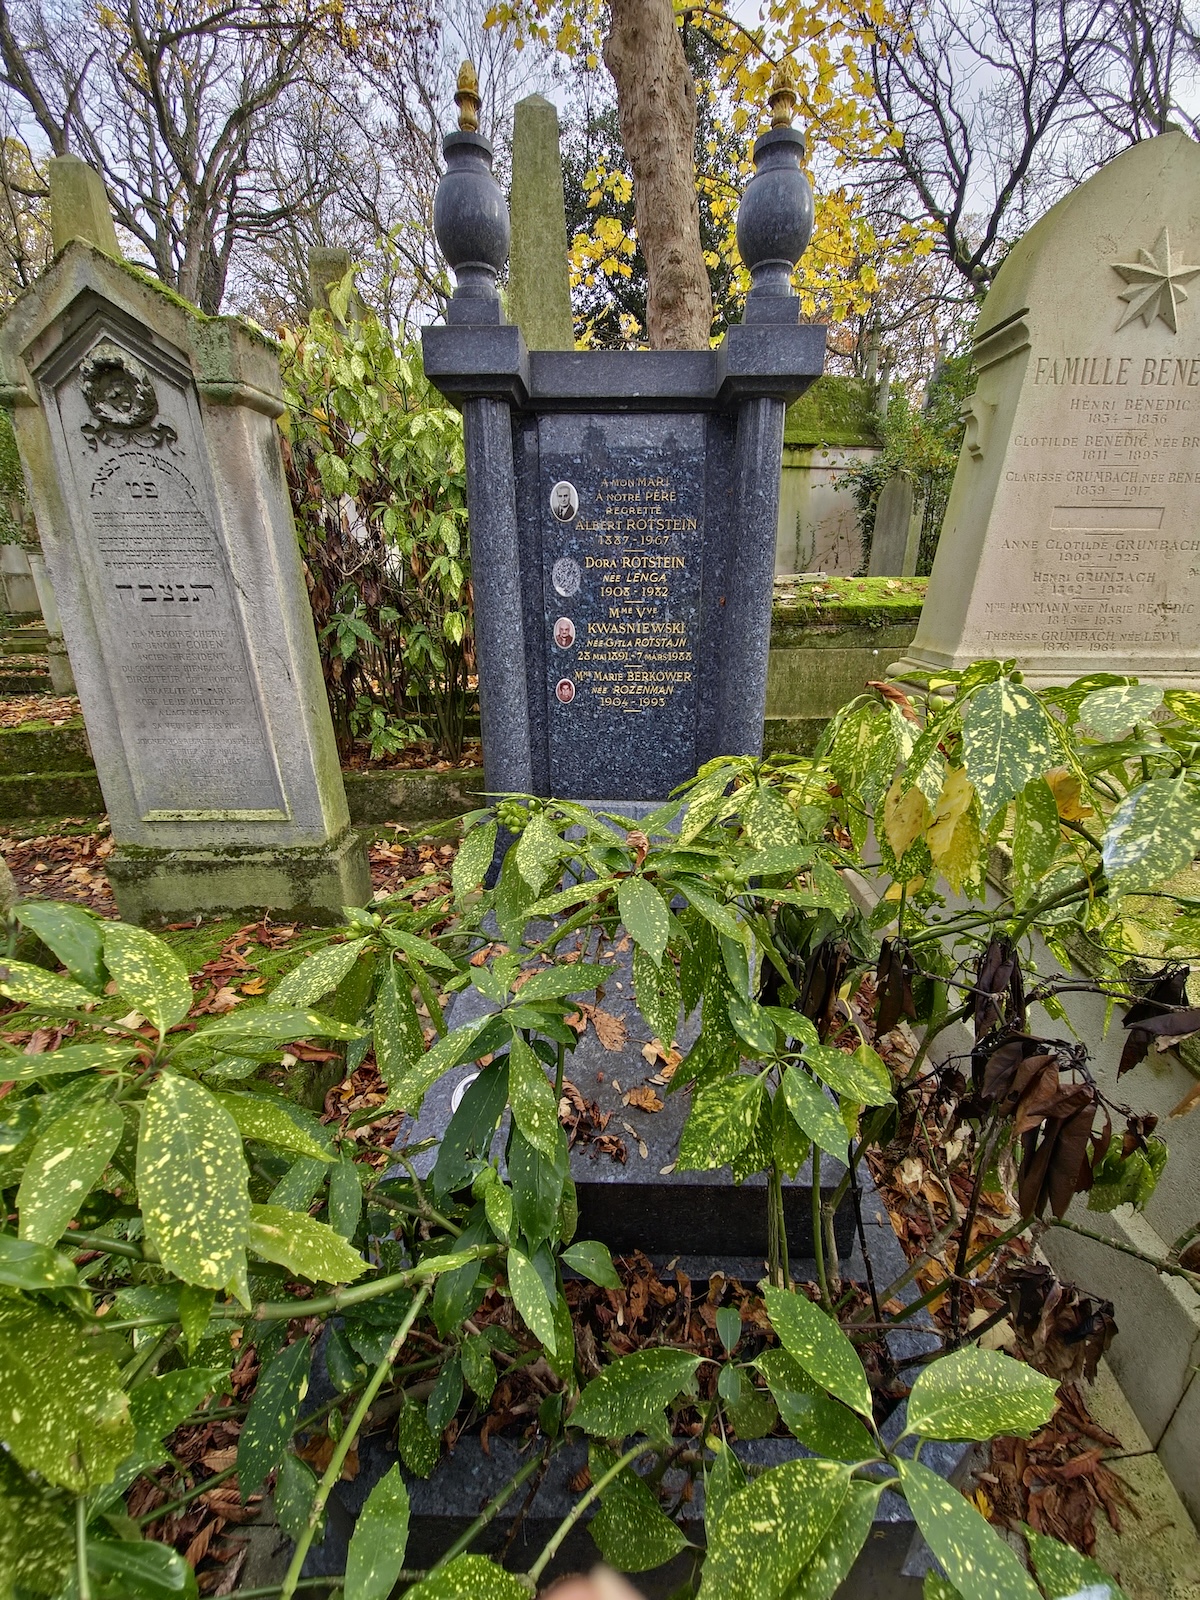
<point x="775" y="218"/>
<point x="470" y="217"/>
<point x="79" y="207"/>
<point x="782" y="97"/>
<point x="466" y="98"/>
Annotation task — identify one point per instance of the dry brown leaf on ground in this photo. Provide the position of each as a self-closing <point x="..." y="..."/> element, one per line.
<point x="644" y="1098"/>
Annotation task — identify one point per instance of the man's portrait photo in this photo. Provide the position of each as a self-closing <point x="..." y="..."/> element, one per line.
<point x="564" y="633"/>
<point x="565" y="690"/>
<point x="564" y="502"/>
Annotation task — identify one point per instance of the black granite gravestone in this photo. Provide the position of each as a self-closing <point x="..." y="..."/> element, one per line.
<point x="623" y="505"/>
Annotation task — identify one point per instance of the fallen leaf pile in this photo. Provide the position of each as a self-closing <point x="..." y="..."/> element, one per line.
<point x="393" y="865"/>
<point x="419" y="757"/>
<point x="63" y="866"/>
<point x="18" y="709"/>
<point x="202" y="1451"/>
<point x="585" y="1125"/>
<point x="1057" y="1480"/>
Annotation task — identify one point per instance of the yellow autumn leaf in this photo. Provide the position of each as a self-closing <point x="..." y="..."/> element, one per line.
<point x="1067" y="789"/>
<point x="905" y="817"/>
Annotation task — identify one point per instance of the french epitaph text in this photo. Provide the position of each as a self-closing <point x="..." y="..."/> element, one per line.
<point x="1117" y="563"/>
<point x="623" y="529"/>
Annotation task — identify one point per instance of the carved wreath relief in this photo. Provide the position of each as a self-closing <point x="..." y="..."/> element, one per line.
<point x="120" y="395"/>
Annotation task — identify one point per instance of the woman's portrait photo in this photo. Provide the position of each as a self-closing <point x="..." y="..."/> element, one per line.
<point x="564" y="502"/>
<point x="564" y="633"/>
<point x="565" y="690"/>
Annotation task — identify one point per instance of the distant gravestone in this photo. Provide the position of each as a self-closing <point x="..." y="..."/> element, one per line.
<point x="896" y="539"/>
<point x="1072" y="536"/>
<point x="539" y="286"/>
<point x="327" y="266"/>
<point x="148" y="438"/>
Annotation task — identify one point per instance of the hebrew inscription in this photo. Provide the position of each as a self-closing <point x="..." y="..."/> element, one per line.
<point x="163" y="595"/>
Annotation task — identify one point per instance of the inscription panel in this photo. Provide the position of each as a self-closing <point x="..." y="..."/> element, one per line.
<point x="622" y="506"/>
<point x="162" y="592"/>
<point x="1106" y="559"/>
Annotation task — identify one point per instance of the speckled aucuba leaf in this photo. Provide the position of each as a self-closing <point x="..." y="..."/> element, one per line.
<point x="1153" y="833"/>
<point x="657" y="992"/>
<point x="317" y="975"/>
<point x="469" y="1578"/>
<point x="63" y="1413"/>
<point x="141" y="1569"/>
<point x="631" y="1530"/>
<point x="770" y="1529"/>
<point x="630" y="1394"/>
<point x="721" y="1123"/>
<point x="264" y="1027"/>
<point x="1007" y="740"/>
<point x="36" y="1543"/>
<point x="40" y="990"/>
<point x="831" y="1561"/>
<point x="769" y="821"/>
<point x="376" y="1554"/>
<point x="272" y="1418"/>
<point x="862" y="1076"/>
<point x="530" y="1298"/>
<point x="64" y="1167"/>
<point x="266" y="1121"/>
<point x="474" y="858"/>
<point x="303" y="1245"/>
<point x="537" y="851"/>
<point x="977" y="1561"/>
<point x="75" y="936"/>
<point x="822" y="1423"/>
<point x="409" y="1084"/>
<point x="94" y="1056"/>
<point x="1036" y="832"/>
<point x="34" y="1266"/>
<point x="644" y="914"/>
<point x="531" y="1095"/>
<point x="148" y="974"/>
<point x="1113" y="711"/>
<point x="977" y="1394"/>
<point x="1062" y="1571"/>
<point x="813" y="1339"/>
<point x="815" y="1114"/>
<point x="193" y="1183"/>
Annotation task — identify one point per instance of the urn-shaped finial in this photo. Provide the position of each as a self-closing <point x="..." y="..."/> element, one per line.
<point x="775" y="218"/>
<point x="470" y="216"/>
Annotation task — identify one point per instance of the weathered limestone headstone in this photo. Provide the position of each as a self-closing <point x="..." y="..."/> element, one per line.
<point x="327" y="266"/>
<point x="1072" y="536"/>
<point x="897" y="537"/>
<point x="539" y="285"/>
<point x="148" y="437"/>
<point x="623" y="505"/>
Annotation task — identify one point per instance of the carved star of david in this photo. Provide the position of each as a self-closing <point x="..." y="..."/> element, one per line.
<point x="1155" y="284"/>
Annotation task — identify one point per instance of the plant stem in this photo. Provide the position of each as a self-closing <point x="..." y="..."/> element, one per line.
<point x="273" y="1589"/>
<point x="577" y="1510"/>
<point x="559" y="1072"/>
<point x="1156" y="1262"/>
<point x="186" y="1498"/>
<point x="778" y="1266"/>
<point x="97" y="1241"/>
<point x="489" y="1512"/>
<point x="818" y="1243"/>
<point x="319" y="1305"/>
<point x="342" y="1449"/>
<point x="81" y="1564"/>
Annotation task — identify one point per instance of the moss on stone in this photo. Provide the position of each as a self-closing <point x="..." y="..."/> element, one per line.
<point x="835" y="411"/>
<point x="844" y="602"/>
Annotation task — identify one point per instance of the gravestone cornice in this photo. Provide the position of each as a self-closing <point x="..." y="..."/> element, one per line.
<point x="233" y="362"/>
<point x="759" y="361"/>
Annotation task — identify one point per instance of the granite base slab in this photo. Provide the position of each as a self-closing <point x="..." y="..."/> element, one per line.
<point x="642" y="1203"/>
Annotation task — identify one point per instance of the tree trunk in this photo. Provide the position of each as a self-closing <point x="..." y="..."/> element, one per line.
<point x="656" y="104"/>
